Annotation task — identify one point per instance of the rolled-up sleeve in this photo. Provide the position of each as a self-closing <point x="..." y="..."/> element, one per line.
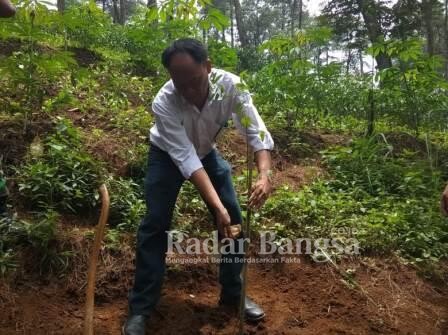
<point x="173" y="139"/>
<point x="258" y="136"/>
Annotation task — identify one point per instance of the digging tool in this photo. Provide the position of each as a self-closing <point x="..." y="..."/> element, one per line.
<point x="99" y="233"/>
<point x="235" y="230"/>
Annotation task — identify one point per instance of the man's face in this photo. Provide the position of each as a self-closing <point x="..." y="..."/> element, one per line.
<point x="190" y="78"/>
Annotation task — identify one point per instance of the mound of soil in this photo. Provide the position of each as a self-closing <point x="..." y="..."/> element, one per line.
<point x="14" y="142"/>
<point x="85" y="57"/>
<point x="9" y="46"/>
<point x="401" y="142"/>
<point x="299" y="145"/>
<point x="139" y="68"/>
<point x="287" y="171"/>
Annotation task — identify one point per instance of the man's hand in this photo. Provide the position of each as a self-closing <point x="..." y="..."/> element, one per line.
<point x="205" y="187"/>
<point x="223" y="222"/>
<point x="260" y="192"/>
<point x="262" y="188"/>
<point x="444" y="202"/>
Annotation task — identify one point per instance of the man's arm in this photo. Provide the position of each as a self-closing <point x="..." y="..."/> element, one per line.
<point x="261" y="142"/>
<point x="6" y="8"/>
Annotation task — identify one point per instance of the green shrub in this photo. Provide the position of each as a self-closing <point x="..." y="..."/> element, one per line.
<point x="7" y="262"/>
<point x="137" y="121"/>
<point x="411" y="227"/>
<point x="64" y="177"/>
<point x="222" y="55"/>
<point x="127" y="205"/>
<point x="369" y="166"/>
<point x="315" y="211"/>
<point x="38" y="234"/>
<point x="138" y="162"/>
<point x="389" y="203"/>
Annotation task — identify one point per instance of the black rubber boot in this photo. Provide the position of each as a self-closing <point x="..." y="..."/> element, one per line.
<point x="135" y="325"/>
<point x="252" y="311"/>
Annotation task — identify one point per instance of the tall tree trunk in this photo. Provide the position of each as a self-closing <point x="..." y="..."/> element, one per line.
<point x="427" y="9"/>
<point x="151" y="3"/>
<point x="122" y="12"/>
<point x="61" y="6"/>
<point x="204" y="12"/>
<point x="116" y="14"/>
<point x="293" y="6"/>
<point x="257" y="38"/>
<point x="283" y="23"/>
<point x="361" y="61"/>
<point x="300" y="14"/>
<point x="240" y="24"/>
<point x="349" y="60"/>
<point x="371" y="114"/>
<point x="446" y="39"/>
<point x="371" y="18"/>
<point x="318" y="60"/>
<point x="232" y="32"/>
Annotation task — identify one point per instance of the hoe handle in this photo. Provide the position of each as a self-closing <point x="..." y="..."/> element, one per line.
<point x="99" y="233"/>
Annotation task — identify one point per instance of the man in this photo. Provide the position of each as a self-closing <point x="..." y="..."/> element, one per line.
<point x="6" y="8"/>
<point x="189" y="112"/>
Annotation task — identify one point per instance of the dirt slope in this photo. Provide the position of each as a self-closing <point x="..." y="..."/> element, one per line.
<point x="305" y="298"/>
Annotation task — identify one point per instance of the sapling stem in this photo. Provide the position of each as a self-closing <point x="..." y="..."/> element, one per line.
<point x="246" y="231"/>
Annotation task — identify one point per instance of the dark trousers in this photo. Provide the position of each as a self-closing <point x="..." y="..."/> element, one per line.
<point x="162" y="184"/>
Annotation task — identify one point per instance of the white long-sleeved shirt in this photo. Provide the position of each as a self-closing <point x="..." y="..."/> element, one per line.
<point x="188" y="134"/>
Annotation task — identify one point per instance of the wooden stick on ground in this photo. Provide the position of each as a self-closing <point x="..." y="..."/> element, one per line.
<point x="99" y="233"/>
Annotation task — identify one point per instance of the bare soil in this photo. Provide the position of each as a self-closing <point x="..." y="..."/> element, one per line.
<point x="304" y="298"/>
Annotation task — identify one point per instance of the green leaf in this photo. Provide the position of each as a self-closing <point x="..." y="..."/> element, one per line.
<point x="245" y="121"/>
<point x="57" y="147"/>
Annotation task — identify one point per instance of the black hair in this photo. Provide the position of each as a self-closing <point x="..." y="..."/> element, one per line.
<point x="189" y="46"/>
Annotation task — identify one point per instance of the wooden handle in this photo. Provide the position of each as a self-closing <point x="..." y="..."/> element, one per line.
<point x="235" y="230"/>
<point x="99" y="233"/>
